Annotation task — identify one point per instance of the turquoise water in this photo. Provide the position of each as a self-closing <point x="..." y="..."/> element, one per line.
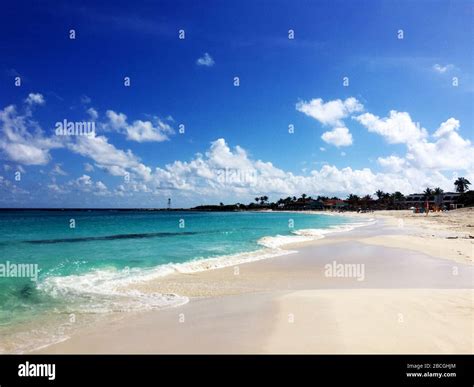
<point x="81" y="269"/>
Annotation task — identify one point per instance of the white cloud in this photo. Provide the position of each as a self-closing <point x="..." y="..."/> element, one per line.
<point x="139" y="131"/>
<point x="205" y="60"/>
<point x="449" y="151"/>
<point x="57" y="170"/>
<point x="101" y="186"/>
<point x="230" y="174"/>
<point x="338" y="137"/>
<point x="85" y="183"/>
<point x="201" y="177"/>
<point x="142" y="131"/>
<point x="332" y="112"/>
<point x="117" y="121"/>
<point x="396" y="129"/>
<point x="22" y="140"/>
<point x="88" y="167"/>
<point x="56" y="188"/>
<point x="448" y="127"/>
<point x="442" y="69"/>
<point x="106" y="156"/>
<point x="35" y="99"/>
<point x="93" y="114"/>
<point x="392" y="163"/>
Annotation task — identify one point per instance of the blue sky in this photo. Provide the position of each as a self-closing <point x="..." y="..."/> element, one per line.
<point x="352" y="144"/>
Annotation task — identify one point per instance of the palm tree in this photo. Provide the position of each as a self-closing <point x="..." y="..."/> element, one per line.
<point x="353" y="200"/>
<point x="396" y="199"/>
<point x="462" y="184"/>
<point x="257" y="199"/>
<point x="379" y="194"/>
<point x="365" y="200"/>
<point x="427" y="193"/>
<point x="303" y="196"/>
<point x="438" y="194"/>
<point x="398" y="196"/>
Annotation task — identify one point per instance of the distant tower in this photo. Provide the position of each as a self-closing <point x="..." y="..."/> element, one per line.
<point x="169" y="203"/>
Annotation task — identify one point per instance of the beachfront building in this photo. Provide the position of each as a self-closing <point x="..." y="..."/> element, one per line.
<point x="335" y="205"/>
<point x="301" y="205"/>
<point x="447" y="200"/>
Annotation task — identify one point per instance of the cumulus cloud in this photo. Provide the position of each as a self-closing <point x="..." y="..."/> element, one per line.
<point x="93" y="114"/>
<point x="225" y="173"/>
<point x="330" y="113"/>
<point x="448" y="127"/>
<point x="106" y="156"/>
<point x="398" y="128"/>
<point x="205" y="60"/>
<point x="203" y="176"/>
<point x="142" y="131"/>
<point x="338" y="137"/>
<point x="117" y="121"/>
<point x="392" y="163"/>
<point x="22" y="140"/>
<point x="448" y="151"/>
<point x="229" y="173"/>
<point x="444" y="150"/>
<point x="35" y="99"/>
<point x="56" y="188"/>
<point x="84" y="183"/>
<point x="139" y="131"/>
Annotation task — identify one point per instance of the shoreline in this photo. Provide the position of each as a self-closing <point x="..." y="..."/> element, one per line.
<point x="412" y="300"/>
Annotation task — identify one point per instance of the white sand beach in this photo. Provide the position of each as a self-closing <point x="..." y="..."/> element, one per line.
<point x="412" y="293"/>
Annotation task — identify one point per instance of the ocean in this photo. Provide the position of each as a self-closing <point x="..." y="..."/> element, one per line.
<point x="88" y="261"/>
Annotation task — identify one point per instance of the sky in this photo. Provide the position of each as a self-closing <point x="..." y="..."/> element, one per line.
<point x="222" y="101"/>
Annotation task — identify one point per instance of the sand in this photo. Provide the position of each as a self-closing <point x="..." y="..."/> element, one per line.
<point x="415" y="296"/>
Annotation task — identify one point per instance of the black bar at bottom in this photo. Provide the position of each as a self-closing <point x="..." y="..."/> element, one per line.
<point x="312" y="370"/>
